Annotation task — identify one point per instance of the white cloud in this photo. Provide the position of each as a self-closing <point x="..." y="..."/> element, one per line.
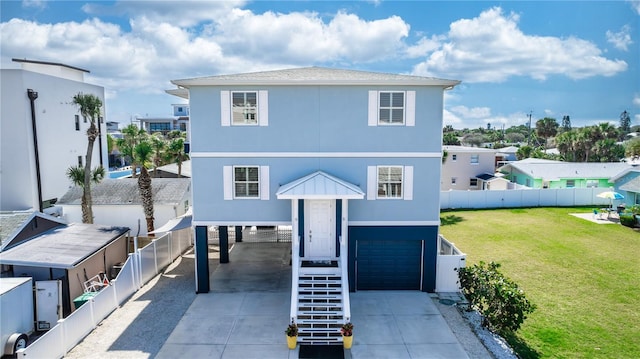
<point x="305" y="37"/>
<point x="635" y="4"/>
<point x="491" y="48"/>
<point x="180" y="13"/>
<point x="636" y="100"/>
<point x="620" y="40"/>
<point x="424" y="46"/>
<point x="34" y="4"/>
<point x="472" y="113"/>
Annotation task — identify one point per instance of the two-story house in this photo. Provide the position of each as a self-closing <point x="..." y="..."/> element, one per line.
<point x="43" y="133"/>
<point x="470" y="168"/>
<point x="350" y="159"/>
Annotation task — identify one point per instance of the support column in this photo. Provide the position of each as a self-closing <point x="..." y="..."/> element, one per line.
<point x="239" y="234"/>
<point x="201" y="249"/>
<point x="223" y="233"/>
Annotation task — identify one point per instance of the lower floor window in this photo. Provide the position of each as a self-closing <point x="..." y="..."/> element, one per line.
<point x="246" y="182"/>
<point x="473" y="182"/>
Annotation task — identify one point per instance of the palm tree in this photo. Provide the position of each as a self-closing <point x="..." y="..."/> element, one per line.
<point x="143" y="154"/>
<point x="159" y="144"/>
<point x="90" y="107"/>
<point x="175" y="153"/>
<point x="76" y="175"/>
<point x="132" y="135"/>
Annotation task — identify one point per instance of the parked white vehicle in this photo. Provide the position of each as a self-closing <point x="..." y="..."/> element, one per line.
<point x="16" y="304"/>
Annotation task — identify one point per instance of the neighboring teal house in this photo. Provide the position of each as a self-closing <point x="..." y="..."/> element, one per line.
<point x="627" y="183"/>
<point x="539" y="173"/>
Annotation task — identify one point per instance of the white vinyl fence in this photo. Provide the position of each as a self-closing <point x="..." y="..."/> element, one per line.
<point x="449" y="260"/>
<point x="141" y="266"/>
<point x="534" y="197"/>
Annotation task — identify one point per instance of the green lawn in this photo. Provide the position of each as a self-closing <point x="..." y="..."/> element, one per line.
<point x="584" y="277"/>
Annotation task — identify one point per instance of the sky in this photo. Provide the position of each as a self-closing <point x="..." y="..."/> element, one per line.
<point x="514" y="58"/>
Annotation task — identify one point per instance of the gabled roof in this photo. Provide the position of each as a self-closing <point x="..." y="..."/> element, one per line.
<point x="13" y="223"/>
<point x="62" y="247"/>
<point x="314" y="76"/>
<point x="555" y="170"/>
<point x="124" y="191"/>
<point x="319" y="185"/>
<point x="632" y="186"/>
<point x="623" y="173"/>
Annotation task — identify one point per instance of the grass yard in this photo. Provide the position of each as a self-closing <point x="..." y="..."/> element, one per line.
<point x="584" y="277"/>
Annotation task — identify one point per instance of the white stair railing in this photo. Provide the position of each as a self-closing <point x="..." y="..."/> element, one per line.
<point x="345" y="280"/>
<point x="295" y="276"/>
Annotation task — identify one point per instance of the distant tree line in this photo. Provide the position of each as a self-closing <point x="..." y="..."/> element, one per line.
<point x="603" y="142"/>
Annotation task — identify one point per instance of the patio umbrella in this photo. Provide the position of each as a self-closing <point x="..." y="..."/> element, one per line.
<point x="611" y="195"/>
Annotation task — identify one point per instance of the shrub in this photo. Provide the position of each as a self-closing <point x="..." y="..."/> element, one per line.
<point x="628" y="219"/>
<point x="498" y="299"/>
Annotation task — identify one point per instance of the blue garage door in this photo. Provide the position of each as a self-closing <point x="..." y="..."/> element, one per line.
<point x="388" y="264"/>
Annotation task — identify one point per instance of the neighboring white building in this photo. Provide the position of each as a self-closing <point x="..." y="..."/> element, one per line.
<point x="117" y="202"/>
<point x="33" y="164"/>
<point x="465" y="168"/>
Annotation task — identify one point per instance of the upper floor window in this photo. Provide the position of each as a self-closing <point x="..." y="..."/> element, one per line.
<point x="246" y="182"/>
<point x="454" y="158"/>
<point x="475" y="159"/>
<point x="159" y="127"/>
<point x="244" y="108"/>
<point x="392" y="108"/>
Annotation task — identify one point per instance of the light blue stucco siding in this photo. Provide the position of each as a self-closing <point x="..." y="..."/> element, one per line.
<point x="316" y="118"/>
<point x="210" y="206"/>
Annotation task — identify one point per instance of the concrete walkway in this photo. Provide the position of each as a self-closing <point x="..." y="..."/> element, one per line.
<point x="247" y="310"/>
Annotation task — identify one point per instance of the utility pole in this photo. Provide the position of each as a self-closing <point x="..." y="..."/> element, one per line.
<point x="529" y="137"/>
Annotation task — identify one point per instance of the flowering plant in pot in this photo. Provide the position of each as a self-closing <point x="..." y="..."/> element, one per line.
<point x="347" y="334"/>
<point x="292" y="335"/>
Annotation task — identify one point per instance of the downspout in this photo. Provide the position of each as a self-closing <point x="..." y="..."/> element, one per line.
<point x="32" y="98"/>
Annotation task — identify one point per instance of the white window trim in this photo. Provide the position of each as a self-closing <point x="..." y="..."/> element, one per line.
<point x="228" y="183"/>
<point x="407" y="183"/>
<point x="409" y="112"/>
<point x="262" y="109"/>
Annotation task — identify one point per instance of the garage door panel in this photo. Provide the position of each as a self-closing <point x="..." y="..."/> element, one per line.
<point x="388" y="264"/>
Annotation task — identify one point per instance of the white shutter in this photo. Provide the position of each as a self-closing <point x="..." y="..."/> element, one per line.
<point x="372" y="182"/>
<point x="410" y="109"/>
<point x="227" y="174"/>
<point x="264" y="183"/>
<point x="408" y="183"/>
<point x="263" y="108"/>
<point x="373" y="108"/>
<point x="225" y="108"/>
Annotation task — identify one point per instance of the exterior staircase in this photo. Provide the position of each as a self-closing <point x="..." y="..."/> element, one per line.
<point x="321" y="305"/>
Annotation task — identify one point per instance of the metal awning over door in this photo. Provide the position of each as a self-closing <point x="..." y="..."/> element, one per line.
<point x="319" y="185"/>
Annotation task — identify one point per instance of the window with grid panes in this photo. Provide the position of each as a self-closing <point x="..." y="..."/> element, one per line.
<point x="246" y="181"/>
<point x="390" y="182"/>
<point x="391" y="108"/>
<point x="244" y="108"/>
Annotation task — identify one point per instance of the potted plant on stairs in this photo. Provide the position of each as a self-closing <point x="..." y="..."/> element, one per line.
<point x="347" y="334"/>
<point x="292" y="335"/>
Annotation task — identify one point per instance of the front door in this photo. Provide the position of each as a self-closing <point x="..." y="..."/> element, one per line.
<point x="320" y="229"/>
